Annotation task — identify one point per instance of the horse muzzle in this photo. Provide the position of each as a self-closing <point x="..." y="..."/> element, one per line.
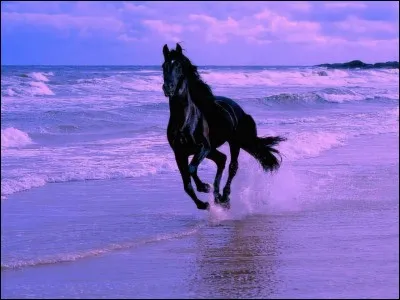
<point x="168" y="91"/>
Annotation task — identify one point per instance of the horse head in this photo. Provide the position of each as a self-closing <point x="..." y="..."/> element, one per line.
<point x="174" y="71"/>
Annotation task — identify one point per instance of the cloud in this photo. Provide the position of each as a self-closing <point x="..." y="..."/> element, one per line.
<point x="64" y="21"/>
<point x="229" y="28"/>
<point x="217" y="30"/>
<point x="262" y="28"/>
<point x="136" y="8"/>
<point x="128" y="39"/>
<point x="356" y="25"/>
<point x="392" y="43"/>
<point x="344" y="5"/>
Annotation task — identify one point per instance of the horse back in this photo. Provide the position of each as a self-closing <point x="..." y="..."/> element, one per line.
<point x="231" y="106"/>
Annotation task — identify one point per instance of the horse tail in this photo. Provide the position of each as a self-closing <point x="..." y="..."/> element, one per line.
<point x="261" y="148"/>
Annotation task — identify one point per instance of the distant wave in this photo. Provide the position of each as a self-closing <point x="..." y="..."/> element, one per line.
<point x="327" y="95"/>
<point x="19" y="86"/>
<point x="151" y="83"/>
<point x="64" y="258"/>
<point x="301" y="77"/>
<point x="127" y="83"/>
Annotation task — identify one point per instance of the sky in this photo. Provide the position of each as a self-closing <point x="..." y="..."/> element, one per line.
<point x="211" y="33"/>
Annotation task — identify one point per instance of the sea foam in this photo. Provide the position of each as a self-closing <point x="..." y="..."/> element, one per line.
<point x="12" y="137"/>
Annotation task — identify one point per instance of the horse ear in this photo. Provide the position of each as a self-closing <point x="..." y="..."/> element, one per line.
<point x="178" y="48"/>
<point x="165" y="51"/>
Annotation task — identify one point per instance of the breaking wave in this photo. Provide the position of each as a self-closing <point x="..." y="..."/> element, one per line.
<point x="14" y="138"/>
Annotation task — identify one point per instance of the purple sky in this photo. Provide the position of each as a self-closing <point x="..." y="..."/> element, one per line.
<point x="212" y="33"/>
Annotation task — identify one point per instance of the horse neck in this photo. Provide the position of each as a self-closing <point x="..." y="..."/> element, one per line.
<point x="201" y="97"/>
<point x="182" y="108"/>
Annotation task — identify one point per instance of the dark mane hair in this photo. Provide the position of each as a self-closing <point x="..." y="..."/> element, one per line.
<point x="200" y="91"/>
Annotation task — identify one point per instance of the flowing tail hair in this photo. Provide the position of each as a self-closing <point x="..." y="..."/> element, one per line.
<point x="261" y="148"/>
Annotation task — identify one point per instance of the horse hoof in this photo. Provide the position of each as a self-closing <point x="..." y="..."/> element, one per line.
<point x="204" y="188"/>
<point x="225" y="205"/>
<point x="225" y="199"/>
<point x="203" y="205"/>
<point x="217" y="199"/>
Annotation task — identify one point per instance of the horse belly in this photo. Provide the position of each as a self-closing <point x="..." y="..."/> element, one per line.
<point x="218" y="136"/>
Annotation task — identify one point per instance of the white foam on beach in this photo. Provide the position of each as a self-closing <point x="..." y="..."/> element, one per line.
<point x="12" y="137"/>
<point x="70" y="257"/>
<point x="309" y="144"/>
<point x="22" y="183"/>
<point x="141" y="156"/>
<point x="331" y="133"/>
<point x="105" y="159"/>
<point x="94" y="169"/>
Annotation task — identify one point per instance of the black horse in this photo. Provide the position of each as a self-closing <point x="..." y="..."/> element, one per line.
<point x="201" y="122"/>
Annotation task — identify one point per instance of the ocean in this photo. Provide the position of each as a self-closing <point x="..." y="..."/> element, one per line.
<point x="93" y="204"/>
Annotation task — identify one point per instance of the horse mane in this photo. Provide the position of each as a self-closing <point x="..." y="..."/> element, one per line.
<point x="201" y="93"/>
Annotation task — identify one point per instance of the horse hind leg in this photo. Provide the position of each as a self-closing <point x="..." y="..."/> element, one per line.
<point x="233" y="167"/>
<point x="220" y="160"/>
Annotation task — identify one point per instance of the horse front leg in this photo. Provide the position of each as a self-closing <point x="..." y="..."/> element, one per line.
<point x="198" y="157"/>
<point x="201" y="186"/>
<point x="182" y="162"/>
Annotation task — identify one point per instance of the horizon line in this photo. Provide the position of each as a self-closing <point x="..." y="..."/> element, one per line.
<point x="158" y="65"/>
<point x="140" y="65"/>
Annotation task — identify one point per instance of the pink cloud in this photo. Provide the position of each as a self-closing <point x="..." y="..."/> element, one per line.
<point x="218" y="30"/>
<point x="254" y="28"/>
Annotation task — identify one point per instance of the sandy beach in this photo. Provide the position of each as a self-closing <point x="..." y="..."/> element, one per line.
<point x="133" y="238"/>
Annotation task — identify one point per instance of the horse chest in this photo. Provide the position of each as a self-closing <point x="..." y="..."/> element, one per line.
<point x="192" y="118"/>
